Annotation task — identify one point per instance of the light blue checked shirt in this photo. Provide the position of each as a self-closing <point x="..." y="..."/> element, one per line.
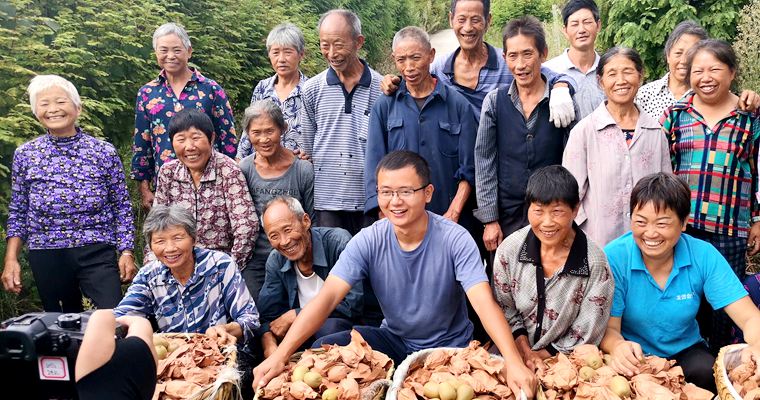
<point x="215" y="294"/>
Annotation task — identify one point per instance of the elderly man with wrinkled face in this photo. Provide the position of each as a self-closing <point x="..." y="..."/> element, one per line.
<point x="429" y="118"/>
<point x="296" y="270"/>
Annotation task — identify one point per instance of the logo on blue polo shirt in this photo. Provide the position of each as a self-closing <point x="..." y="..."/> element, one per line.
<point x="685" y="296"/>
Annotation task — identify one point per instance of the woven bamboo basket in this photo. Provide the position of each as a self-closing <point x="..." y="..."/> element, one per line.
<point x="414" y="360"/>
<point x="227" y="384"/>
<point x="728" y="357"/>
<point x="375" y="391"/>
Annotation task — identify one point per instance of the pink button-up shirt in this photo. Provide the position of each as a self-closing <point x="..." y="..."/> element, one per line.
<point x="607" y="168"/>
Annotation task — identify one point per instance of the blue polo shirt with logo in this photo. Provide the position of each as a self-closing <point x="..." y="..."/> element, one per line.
<point x="663" y="321"/>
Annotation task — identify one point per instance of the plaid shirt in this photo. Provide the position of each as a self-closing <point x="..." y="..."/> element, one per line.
<point x="719" y="165"/>
<point x="215" y="294"/>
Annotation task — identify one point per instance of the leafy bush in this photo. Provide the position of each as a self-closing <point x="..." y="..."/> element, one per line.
<point x="747" y="46"/>
<point x="646" y="24"/>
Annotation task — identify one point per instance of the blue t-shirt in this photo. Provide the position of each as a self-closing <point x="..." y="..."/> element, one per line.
<point x="421" y="292"/>
<point x="663" y="321"/>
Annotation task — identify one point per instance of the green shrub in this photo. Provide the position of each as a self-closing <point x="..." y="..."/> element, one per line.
<point x="747" y="46"/>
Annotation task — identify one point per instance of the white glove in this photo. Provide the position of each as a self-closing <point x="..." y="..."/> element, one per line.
<point x="561" y="109"/>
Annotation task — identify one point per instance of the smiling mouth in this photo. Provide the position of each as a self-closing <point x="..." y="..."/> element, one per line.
<point x="193" y="157"/>
<point x="653" y="243"/>
<point x="548" y="234"/>
<point x="172" y="259"/>
<point x="707" y="89"/>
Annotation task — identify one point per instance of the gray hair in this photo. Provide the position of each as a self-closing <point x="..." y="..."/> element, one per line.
<point x="170" y="28"/>
<point x="287" y="35"/>
<point x="41" y="83"/>
<point x="351" y="18"/>
<point x="688" y="27"/>
<point x="165" y="217"/>
<point x="293" y="205"/>
<point x="414" y="33"/>
<point x="265" y="107"/>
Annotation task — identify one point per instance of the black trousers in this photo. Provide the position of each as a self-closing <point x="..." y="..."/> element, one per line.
<point x="352" y="221"/>
<point x="697" y="363"/>
<point x="64" y="275"/>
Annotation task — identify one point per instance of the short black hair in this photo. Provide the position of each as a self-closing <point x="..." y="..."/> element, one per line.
<point x="191" y="118"/>
<point x="626" y="52"/>
<point x="529" y="26"/>
<point x="720" y="49"/>
<point x="573" y="6"/>
<point x="550" y="184"/>
<point x="486" y="6"/>
<point x="398" y="159"/>
<point x="664" y="191"/>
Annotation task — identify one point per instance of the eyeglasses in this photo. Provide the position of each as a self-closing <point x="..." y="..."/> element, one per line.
<point x="403" y="193"/>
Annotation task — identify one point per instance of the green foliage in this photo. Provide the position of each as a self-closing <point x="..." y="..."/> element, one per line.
<point x="747" y="46"/>
<point x="646" y="24"/>
<point x="431" y="15"/>
<point x="504" y="10"/>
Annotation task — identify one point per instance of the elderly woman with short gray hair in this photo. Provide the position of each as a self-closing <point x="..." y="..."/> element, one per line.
<point x="177" y="87"/>
<point x="186" y="276"/>
<point x="285" y="47"/>
<point x="70" y="205"/>
<point x="271" y="171"/>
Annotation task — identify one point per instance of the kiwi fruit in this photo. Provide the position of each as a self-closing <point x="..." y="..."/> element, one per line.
<point x="312" y="379"/>
<point x="430" y="390"/>
<point x="620" y="386"/>
<point x="298" y="373"/>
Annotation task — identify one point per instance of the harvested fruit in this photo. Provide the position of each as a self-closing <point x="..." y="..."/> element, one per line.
<point x="446" y="392"/>
<point x="312" y="379"/>
<point x="331" y="372"/>
<point x="744" y="377"/>
<point x="465" y="392"/>
<point x="161" y="352"/>
<point x="431" y="390"/>
<point x="594" y="361"/>
<point x="298" y="373"/>
<point x="620" y="386"/>
<point x="330" y="394"/>
<point x="586" y="373"/>
<point x="194" y="365"/>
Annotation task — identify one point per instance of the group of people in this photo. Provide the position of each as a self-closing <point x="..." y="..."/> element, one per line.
<point x="551" y="203"/>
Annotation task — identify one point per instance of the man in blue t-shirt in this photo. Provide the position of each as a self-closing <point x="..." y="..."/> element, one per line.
<point x="422" y="267"/>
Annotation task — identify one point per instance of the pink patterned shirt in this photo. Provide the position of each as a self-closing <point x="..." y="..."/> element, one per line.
<point x="223" y="208"/>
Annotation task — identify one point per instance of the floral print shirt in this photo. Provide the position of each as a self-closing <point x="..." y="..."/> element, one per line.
<point x="292" y="105"/>
<point x="69" y="192"/>
<point x="157" y="103"/>
<point x="578" y="296"/>
<point x="223" y="208"/>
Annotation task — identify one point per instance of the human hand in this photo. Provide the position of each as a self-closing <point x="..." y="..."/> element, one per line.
<point x="268" y="369"/>
<point x="492" y="236"/>
<point x="146" y="196"/>
<point x="302" y="154"/>
<point x="280" y="326"/>
<point x="127" y="268"/>
<point x="452" y="215"/>
<point x="269" y="343"/>
<point x="389" y="84"/>
<point x="12" y="276"/>
<point x="220" y="334"/>
<point x="520" y="378"/>
<point x="561" y="108"/>
<point x="753" y="241"/>
<point x="749" y="101"/>
<point x="626" y="357"/>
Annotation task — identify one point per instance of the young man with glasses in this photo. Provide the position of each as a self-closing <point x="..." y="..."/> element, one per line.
<point x="422" y="267"/>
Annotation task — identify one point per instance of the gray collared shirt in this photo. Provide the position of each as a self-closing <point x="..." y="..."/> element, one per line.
<point x="588" y="94"/>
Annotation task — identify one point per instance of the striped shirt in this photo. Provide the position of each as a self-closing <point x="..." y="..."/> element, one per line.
<point x="719" y="165"/>
<point x="334" y="125"/>
<point x="215" y="294"/>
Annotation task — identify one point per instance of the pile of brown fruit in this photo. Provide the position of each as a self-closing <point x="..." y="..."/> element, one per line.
<point x="745" y="377"/>
<point x="331" y="373"/>
<point x="187" y="364"/>
<point x="585" y="375"/>
<point x="456" y="374"/>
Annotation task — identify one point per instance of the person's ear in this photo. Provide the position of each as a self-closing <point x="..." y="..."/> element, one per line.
<point x="306" y="221"/>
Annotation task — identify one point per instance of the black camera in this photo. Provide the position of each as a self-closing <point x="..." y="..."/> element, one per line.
<point x="38" y="353"/>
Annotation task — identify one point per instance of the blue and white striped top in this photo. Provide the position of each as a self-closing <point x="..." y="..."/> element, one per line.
<point x="334" y="126"/>
<point x="215" y="294"/>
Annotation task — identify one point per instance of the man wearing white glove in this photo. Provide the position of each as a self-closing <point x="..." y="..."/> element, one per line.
<point x="579" y="61"/>
<point x="516" y="135"/>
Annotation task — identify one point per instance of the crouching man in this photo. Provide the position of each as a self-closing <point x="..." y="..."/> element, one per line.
<point x="296" y="270"/>
<point x="420" y="266"/>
